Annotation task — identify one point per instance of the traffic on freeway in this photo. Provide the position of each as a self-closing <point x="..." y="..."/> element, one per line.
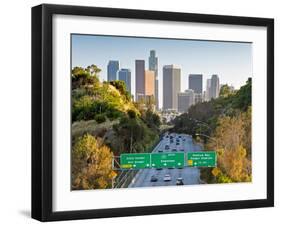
<point x="170" y="143"/>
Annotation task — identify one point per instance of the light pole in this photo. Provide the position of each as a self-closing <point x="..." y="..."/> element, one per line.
<point x="204" y="135"/>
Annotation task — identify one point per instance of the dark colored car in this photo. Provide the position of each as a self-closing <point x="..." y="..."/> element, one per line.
<point x="153" y="178"/>
<point x="179" y="181"/>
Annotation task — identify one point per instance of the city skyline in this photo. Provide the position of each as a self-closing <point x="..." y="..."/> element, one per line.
<point x="203" y="55"/>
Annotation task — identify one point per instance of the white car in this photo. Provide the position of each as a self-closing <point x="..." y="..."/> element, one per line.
<point x="167" y="177"/>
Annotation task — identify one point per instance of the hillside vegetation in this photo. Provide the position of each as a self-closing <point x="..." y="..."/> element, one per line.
<point x="104" y="117"/>
<point x="224" y="125"/>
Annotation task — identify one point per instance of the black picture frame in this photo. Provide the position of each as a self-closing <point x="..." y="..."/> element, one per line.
<point x="42" y="111"/>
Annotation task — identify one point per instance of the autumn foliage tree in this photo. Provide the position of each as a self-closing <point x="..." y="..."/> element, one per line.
<point x="91" y="164"/>
<point x="232" y="138"/>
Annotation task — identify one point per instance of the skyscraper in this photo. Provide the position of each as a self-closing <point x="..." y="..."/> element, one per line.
<point x="153" y="66"/>
<point x="208" y="90"/>
<point x="215" y="87"/>
<point x="125" y="75"/>
<point x="195" y="82"/>
<point x="185" y="100"/>
<point x="171" y="86"/>
<point x="140" y="79"/>
<point x="112" y="68"/>
<point x="149" y="86"/>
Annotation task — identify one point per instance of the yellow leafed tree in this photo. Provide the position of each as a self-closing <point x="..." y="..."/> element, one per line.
<point x="91" y="164"/>
<point x="233" y="137"/>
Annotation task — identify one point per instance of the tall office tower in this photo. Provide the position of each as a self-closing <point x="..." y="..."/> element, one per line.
<point x="195" y="82"/>
<point x="185" y="100"/>
<point x="124" y="74"/>
<point x="112" y="68"/>
<point x="140" y="79"/>
<point x="153" y="66"/>
<point x="171" y="86"/>
<point x="215" y="87"/>
<point x="149" y="86"/>
<point x="208" y="90"/>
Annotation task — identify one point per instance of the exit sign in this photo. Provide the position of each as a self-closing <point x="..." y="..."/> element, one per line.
<point x="135" y="161"/>
<point x="164" y="160"/>
<point x="202" y="159"/>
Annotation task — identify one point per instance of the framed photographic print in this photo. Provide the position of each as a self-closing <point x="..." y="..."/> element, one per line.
<point x="145" y="112"/>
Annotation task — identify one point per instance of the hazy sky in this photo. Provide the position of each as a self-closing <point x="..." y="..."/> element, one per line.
<point x="231" y="61"/>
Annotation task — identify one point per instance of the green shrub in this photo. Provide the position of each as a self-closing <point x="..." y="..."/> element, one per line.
<point x="112" y="114"/>
<point x="100" y="118"/>
<point x="132" y="114"/>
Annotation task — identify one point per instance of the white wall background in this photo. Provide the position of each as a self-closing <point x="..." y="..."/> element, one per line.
<point x="15" y="113"/>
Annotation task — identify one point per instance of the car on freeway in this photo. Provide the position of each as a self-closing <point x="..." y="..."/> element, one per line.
<point x="181" y="149"/>
<point x="160" y="150"/>
<point x="179" y="181"/>
<point x="167" y="147"/>
<point x="171" y="167"/>
<point x="177" y="143"/>
<point x="167" y="177"/>
<point x="174" y="149"/>
<point x="153" y="178"/>
<point x="158" y="168"/>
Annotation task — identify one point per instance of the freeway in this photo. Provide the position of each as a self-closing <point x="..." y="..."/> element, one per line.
<point x="171" y="143"/>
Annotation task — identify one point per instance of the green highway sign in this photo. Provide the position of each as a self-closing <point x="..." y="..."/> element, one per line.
<point x="163" y="160"/>
<point x="202" y="159"/>
<point x="135" y="161"/>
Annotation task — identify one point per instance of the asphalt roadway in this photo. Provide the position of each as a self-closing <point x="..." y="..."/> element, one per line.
<point x="189" y="175"/>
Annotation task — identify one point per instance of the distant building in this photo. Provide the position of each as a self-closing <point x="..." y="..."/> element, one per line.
<point x="149" y="86"/>
<point x="208" y="90"/>
<point x="198" y="98"/>
<point x="215" y="87"/>
<point x="153" y="66"/>
<point x="140" y="79"/>
<point x="125" y="75"/>
<point x="112" y="69"/>
<point x="171" y="86"/>
<point x="204" y="97"/>
<point x="185" y="100"/>
<point x="195" y="82"/>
